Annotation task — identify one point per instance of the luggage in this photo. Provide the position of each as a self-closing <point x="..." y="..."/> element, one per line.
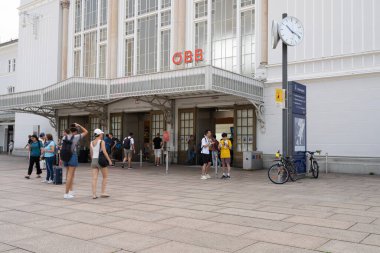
<point x="57" y="171"/>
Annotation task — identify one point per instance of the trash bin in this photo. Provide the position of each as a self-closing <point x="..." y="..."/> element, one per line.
<point x="252" y="160"/>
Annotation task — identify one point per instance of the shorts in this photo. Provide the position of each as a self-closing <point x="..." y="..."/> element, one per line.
<point x="73" y="161"/>
<point x="226" y="161"/>
<point x="157" y="152"/>
<point x="95" y="163"/>
<point x="128" y="153"/>
<point x="205" y="158"/>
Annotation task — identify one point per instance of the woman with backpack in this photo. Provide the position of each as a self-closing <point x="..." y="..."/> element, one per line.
<point x="49" y="154"/>
<point x="35" y="155"/>
<point x="70" y="157"/>
<point x="99" y="161"/>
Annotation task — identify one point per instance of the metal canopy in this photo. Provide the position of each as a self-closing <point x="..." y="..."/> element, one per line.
<point x="189" y="81"/>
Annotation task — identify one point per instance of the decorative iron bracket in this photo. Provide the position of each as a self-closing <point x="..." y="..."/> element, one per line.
<point x="43" y="111"/>
<point x="163" y="103"/>
<point x="260" y="109"/>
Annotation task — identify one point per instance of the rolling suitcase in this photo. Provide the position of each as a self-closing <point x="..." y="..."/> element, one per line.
<point x="57" y="171"/>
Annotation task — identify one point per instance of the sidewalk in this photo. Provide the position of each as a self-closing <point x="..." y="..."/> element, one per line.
<point x="150" y="212"/>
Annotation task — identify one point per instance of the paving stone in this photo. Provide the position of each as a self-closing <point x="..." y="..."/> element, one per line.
<point x="177" y="247"/>
<point x="140" y="227"/>
<point x="13" y="232"/>
<point x="84" y="231"/>
<point x="285" y="238"/>
<point x="48" y="222"/>
<point x="146" y="207"/>
<point x="141" y="215"/>
<point x="94" y="208"/>
<point x="19" y="217"/>
<point x="292" y="211"/>
<point x="373" y="240"/>
<point x="91" y="218"/>
<point x="130" y="241"/>
<point x="353" y="218"/>
<point x="62" y="244"/>
<point x="5" y="247"/>
<point x="263" y="247"/>
<point x="254" y="214"/>
<point x="367" y="228"/>
<point x="187" y="222"/>
<point x="344" y="205"/>
<point x="188" y="213"/>
<point x="253" y="222"/>
<point x="226" y="229"/>
<point x="330" y="233"/>
<point x="205" y="239"/>
<point x="348" y="247"/>
<point x="330" y="223"/>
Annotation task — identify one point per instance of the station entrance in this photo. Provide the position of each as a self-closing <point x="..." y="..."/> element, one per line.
<point x="239" y="122"/>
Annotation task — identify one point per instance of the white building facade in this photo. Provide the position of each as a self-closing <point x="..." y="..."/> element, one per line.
<point x="8" y="62"/>
<point x="183" y="66"/>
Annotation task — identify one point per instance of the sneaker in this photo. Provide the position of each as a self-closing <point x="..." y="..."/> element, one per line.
<point x="27" y="177"/>
<point x="50" y="181"/>
<point x="72" y="193"/>
<point x="223" y="177"/>
<point x="38" y="176"/>
<point x="44" y="181"/>
<point x="208" y="176"/>
<point x="122" y="166"/>
<point x="68" y="196"/>
<point x="203" y="177"/>
<point x="228" y="177"/>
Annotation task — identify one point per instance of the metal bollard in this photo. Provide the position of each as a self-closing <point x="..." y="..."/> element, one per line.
<point x="327" y="157"/>
<point x="141" y="157"/>
<point x="167" y="162"/>
<point x="216" y="166"/>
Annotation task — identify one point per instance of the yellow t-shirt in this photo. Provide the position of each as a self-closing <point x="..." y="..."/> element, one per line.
<point x="224" y="150"/>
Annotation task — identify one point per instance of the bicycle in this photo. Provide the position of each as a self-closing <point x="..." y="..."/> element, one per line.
<point x="314" y="166"/>
<point x="282" y="170"/>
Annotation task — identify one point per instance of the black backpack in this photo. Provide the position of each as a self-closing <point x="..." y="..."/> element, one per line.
<point x="66" y="150"/>
<point x="127" y="143"/>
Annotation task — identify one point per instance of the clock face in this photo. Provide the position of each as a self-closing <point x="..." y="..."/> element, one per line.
<point x="275" y="36"/>
<point x="291" y="31"/>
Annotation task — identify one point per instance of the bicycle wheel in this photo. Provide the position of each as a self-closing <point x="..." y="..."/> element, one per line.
<point x="278" y="174"/>
<point x="292" y="173"/>
<point x="315" y="169"/>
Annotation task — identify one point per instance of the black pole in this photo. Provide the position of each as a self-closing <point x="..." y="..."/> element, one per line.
<point x="285" y="123"/>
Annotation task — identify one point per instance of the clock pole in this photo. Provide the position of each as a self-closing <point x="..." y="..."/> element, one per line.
<point x="285" y="123"/>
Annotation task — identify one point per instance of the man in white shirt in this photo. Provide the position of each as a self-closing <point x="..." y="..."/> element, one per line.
<point x="205" y="154"/>
<point x="129" y="148"/>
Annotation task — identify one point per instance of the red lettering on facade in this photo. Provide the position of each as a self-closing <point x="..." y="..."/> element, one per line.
<point x="187" y="56"/>
<point x="198" y="55"/>
<point x="177" y="58"/>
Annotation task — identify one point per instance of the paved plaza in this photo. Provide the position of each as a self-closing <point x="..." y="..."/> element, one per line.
<point x="151" y="212"/>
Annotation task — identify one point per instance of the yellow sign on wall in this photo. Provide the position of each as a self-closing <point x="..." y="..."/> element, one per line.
<point x="279" y="96"/>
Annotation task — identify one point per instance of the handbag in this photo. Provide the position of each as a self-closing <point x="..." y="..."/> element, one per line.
<point x="102" y="160"/>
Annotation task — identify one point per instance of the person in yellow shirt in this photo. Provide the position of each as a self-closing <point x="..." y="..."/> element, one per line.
<point x="225" y="146"/>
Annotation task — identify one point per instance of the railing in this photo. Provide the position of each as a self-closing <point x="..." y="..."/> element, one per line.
<point x="79" y="89"/>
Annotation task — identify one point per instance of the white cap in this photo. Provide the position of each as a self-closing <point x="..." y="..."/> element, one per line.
<point x="98" y="132"/>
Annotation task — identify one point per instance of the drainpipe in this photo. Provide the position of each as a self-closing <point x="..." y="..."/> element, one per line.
<point x="65" y="23"/>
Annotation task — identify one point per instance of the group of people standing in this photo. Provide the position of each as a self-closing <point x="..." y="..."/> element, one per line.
<point x="210" y="148"/>
<point x="45" y="148"/>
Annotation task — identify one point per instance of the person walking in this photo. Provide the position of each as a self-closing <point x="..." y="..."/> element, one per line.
<point x="190" y="150"/>
<point x="10" y="147"/>
<point x="205" y="154"/>
<point x="225" y="146"/>
<point x="49" y="154"/>
<point x="157" y="145"/>
<point x="97" y="147"/>
<point x="35" y="155"/>
<point x="215" y="151"/>
<point x="129" y="150"/>
<point x="70" y="143"/>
